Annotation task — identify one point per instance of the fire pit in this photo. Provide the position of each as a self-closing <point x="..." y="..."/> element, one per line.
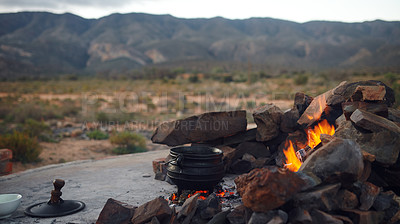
<point x="195" y="167"/>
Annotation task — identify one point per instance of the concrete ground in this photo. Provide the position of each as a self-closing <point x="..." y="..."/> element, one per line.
<point x="127" y="178"/>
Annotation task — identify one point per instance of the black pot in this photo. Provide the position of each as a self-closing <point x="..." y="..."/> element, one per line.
<point x="195" y="167"/>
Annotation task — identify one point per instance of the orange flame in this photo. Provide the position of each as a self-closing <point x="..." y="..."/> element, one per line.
<point x="292" y="162"/>
<point x="313" y="134"/>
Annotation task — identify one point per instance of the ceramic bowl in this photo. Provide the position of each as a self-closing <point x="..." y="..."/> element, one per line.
<point x="8" y="204"/>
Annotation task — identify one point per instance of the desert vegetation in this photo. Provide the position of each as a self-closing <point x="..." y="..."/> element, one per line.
<point x="116" y="114"/>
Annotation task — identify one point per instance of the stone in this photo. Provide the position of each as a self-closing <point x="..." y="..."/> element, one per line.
<point x="271" y="217"/>
<point x="115" y="212"/>
<point x="372" y="122"/>
<point x="249" y="157"/>
<point x="268" y="119"/>
<point x="159" y="168"/>
<point x="322" y="198"/>
<point x="368" y="156"/>
<point x="301" y="102"/>
<point x="227" y="158"/>
<point x="383" y="145"/>
<point x="363" y="217"/>
<point x="394" y="114"/>
<point x="383" y="201"/>
<point x="189" y="206"/>
<point x="369" y="192"/>
<point x="154" y="220"/>
<point x="344" y="219"/>
<point x="247" y="136"/>
<point x="267" y="188"/>
<point x="380" y="109"/>
<point x="346" y="199"/>
<point x="200" y="128"/>
<point x="299" y="216"/>
<point x="256" y="149"/>
<point x="322" y="217"/>
<point x="261" y="162"/>
<point x="219" y="218"/>
<point x="156" y="208"/>
<point x="213" y="207"/>
<point x="239" y="215"/>
<point x="289" y="121"/>
<point x="315" y="110"/>
<point x="362" y="91"/>
<point x="339" y="159"/>
<point x="241" y="166"/>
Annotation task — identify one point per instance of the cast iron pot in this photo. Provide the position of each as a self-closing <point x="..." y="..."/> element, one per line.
<point x="195" y="167"/>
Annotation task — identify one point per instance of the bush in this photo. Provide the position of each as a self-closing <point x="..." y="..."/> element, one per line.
<point x="301" y="79"/>
<point x="35" y="128"/>
<point x="128" y="143"/>
<point x="97" y="135"/>
<point x="25" y="149"/>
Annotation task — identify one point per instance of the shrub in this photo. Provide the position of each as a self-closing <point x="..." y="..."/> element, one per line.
<point x="97" y="135"/>
<point x="301" y="79"/>
<point x="25" y="149"/>
<point x="128" y="142"/>
<point x="35" y="128"/>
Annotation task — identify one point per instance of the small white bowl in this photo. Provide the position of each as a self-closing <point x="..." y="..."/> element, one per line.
<point x="8" y="204"/>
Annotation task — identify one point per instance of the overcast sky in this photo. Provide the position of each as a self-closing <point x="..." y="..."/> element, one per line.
<point x="293" y="10"/>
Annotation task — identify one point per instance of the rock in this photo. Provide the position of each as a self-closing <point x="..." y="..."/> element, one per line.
<point x="271" y="217"/>
<point x="383" y="201"/>
<point x="239" y="215"/>
<point x="160" y="169"/>
<point x="268" y="119"/>
<point x="372" y="122"/>
<point x="383" y="144"/>
<point x="301" y="102"/>
<point x="76" y="132"/>
<point x="219" y="218"/>
<point x="346" y="199"/>
<point x="289" y="120"/>
<point x="189" y="207"/>
<point x="154" y="220"/>
<point x="267" y="188"/>
<point x="249" y="157"/>
<point x="322" y="217"/>
<point x="116" y="212"/>
<point x="369" y="192"/>
<point x="227" y="158"/>
<point x="380" y="109"/>
<point x="241" y="166"/>
<point x="322" y="198"/>
<point x="344" y="219"/>
<point x="299" y="216"/>
<point x="339" y="159"/>
<point x="247" y="136"/>
<point x="394" y="115"/>
<point x="200" y="128"/>
<point x="256" y="149"/>
<point x="261" y="162"/>
<point x="156" y="208"/>
<point x="315" y="110"/>
<point x="213" y="207"/>
<point x="363" y="217"/>
<point x="362" y="91"/>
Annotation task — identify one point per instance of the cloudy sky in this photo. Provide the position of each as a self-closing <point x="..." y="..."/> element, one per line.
<point x="294" y="10"/>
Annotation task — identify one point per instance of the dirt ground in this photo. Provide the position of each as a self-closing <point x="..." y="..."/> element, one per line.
<point x="72" y="149"/>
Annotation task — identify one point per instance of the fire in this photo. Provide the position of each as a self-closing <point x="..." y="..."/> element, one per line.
<point x="313" y="139"/>
<point x="201" y="197"/>
<point x="313" y="134"/>
<point x="292" y="162"/>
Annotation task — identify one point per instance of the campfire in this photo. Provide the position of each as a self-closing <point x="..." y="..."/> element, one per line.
<point x="333" y="158"/>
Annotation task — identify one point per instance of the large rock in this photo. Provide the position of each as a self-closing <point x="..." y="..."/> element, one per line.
<point x="301" y="102"/>
<point x="116" y="212"/>
<point x="372" y="122"/>
<point x="200" y="128"/>
<point x="268" y="119"/>
<point x="362" y="91"/>
<point x="383" y="144"/>
<point x="322" y="198"/>
<point x="268" y="188"/>
<point x="156" y="208"/>
<point x="340" y="158"/>
<point x="315" y="110"/>
<point x="289" y="120"/>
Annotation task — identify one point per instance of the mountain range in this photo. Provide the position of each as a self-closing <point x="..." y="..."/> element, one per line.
<point x="33" y="43"/>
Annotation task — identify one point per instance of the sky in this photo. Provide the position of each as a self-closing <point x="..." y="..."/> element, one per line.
<point x="293" y="10"/>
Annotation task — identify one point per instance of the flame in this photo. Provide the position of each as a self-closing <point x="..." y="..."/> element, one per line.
<point x="313" y="134"/>
<point x="201" y="197"/>
<point x="318" y="105"/>
<point x="292" y="162"/>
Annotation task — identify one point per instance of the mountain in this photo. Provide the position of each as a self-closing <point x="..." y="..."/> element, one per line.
<point x="46" y="43"/>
